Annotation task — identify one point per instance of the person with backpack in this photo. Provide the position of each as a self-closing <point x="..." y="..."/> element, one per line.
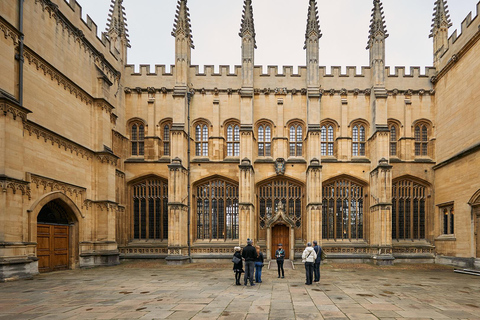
<point x="318" y="260"/>
<point x="280" y="255"/>
<point x="237" y="265"/>
<point x="308" y="257"/>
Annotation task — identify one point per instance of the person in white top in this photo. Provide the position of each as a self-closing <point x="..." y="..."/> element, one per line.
<point x="308" y="257"/>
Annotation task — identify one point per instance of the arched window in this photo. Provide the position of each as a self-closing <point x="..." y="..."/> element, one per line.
<point x="150" y="209"/>
<point x="233" y="140"/>
<point x="421" y="140"/>
<point x="393" y="140"/>
<point x="327" y="140"/>
<point x="448" y="219"/>
<point x="408" y="210"/>
<point x="289" y="193"/>
<point x="166" y="139"/>
<point x="201" y="140"/>
<point x="342" y="210"/>
<point x="264" y="141"/>
<point x="138" y="139"/>
<point x="358" y="145"/>
<point x="217" y="210"/>
<point x="296" y="140"/>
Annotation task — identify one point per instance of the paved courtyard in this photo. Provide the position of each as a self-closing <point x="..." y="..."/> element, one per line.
<point x="153" y="290"/>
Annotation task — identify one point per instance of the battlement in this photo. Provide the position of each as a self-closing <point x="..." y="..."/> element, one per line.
<point x="469" y="28"/>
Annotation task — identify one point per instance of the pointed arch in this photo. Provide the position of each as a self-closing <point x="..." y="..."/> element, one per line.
<point x="475" y="199"/>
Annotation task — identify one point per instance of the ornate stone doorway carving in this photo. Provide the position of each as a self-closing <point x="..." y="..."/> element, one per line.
<point x="280" y="229"/>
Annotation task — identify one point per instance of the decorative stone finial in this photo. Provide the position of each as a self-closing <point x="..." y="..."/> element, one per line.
<point x="378" y="29"/>
<point x="441" y="17"/>
<point x="313" y="23"/>
<point x="248" y="27"/>
<point x="117" y="21"/>
<point x="182" y="25"/>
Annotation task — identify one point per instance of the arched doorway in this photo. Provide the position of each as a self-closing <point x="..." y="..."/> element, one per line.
<point x="56" y="237"/>
<point x="280" y="234"/>
<point x="475" y="203"/>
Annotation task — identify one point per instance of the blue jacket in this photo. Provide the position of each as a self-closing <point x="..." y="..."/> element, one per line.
<point x="318" y="251"/>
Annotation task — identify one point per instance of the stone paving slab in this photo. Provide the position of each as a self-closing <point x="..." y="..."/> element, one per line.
<point x="153" y="290"/>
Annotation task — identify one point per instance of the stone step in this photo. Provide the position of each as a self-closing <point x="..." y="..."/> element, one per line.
<point x="288" y="264"/>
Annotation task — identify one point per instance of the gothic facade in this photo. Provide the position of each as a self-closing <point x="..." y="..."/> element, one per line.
<point x="100" y="162"/>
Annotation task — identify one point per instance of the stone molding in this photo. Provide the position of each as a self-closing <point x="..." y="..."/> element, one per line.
<point x="15" y="185"/>
<point x="78" y="37"/>
<point x="7" y="106"/>
<point x="108" y="108"/>
<point x="9" y="31"/>
<point x="105" y="205"/>
<point x="56" y="185"/>
<point x="107" y="157"/>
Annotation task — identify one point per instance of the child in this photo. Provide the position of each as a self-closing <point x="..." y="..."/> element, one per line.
<point x="237" y="267"/>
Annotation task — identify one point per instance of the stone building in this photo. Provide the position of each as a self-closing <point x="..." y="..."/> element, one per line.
<point x="100" y="162"/>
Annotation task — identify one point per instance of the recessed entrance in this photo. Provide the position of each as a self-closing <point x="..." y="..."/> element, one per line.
<point x="53" y="237"/>
<point x="476" y="216"/>
<point x="281" y="234"/>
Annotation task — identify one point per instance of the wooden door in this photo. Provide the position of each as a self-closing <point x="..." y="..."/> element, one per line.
<point x="52" y="247"/>
<point x="476" y="214"/>
<point x="281" y="234"/>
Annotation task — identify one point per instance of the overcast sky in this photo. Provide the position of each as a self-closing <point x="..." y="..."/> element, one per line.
<point x="280" y="27"/>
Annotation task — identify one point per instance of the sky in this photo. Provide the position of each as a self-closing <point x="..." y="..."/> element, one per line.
<point x="280" y="27"/>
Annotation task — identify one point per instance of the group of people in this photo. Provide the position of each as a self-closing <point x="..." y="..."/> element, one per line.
<point x="253" y="257"/>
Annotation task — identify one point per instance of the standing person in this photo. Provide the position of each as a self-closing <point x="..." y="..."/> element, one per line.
<point x="249" y="254"/>
<point x="238" y="267"/>
<point x="280" y="255"/>
<point x="258" y="265"/>
<point x="316" y="266"/>
<point x="309" y="257"/>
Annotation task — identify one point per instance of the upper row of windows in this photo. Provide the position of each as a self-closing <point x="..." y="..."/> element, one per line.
<point x="296" y="140"/>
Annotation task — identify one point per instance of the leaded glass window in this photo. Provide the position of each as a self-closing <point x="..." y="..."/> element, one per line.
<point x="201" y="140"/>
<point x="296" y="140"/>
<point x="233" y="140"/>
<point x="264" y="140"/>
<point x="137" y="138"/>
<point x="358" y="137"/>
<point x="421" y="140"/>
<point x="327" y="138"/>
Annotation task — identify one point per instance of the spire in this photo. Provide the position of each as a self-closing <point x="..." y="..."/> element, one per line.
<point x="248" y="27"/>
<point x="313" y="24"/>
<point x="117" y="21"/>
<point x="182" y="23"/>
<point x="441" y="17"/>
<point x="377" y="24"/>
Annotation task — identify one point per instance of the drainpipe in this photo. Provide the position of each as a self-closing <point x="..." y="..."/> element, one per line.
<point x="189" y="97"/>
<point x="19" y="56"/>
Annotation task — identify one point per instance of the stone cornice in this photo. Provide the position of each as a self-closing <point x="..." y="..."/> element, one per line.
<point x="9" y="105"/>
<point x="107" y="157"/>
<point x="9" y="31"/>
<point x="15" y="185"/>
<point x="107" y="107"/>
<point x="102" y="205"/>
<point x="119" y="135"/>
<point x="55" y="185"/>
<point x="78" y="37"/>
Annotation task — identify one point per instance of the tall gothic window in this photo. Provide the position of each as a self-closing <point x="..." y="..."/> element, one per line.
<point x="273" y="192"/>
<point x="233" y="140"/>
<point x="358" y="145"/>
<point x="448" y="219"/>
<point x="393" y="140"/>
<point x="421" y="140"/>
<point x="201" y="140"/>
<point x="138" y="139"/>
<point x="342" y="210"/>
<point x="408" y="210"/>
<point x="166" y="139"/>
<point x="327" y="140"/>
<point x="264" y="141"/>
<point x="296" y="140"/>
<point x="217" y="210"/>
<point x="150" y="209"/>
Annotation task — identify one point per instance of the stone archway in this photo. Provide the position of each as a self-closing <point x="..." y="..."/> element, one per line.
<point x="54" y="226"/>
<point x="280" y="220"/>
<point x="475" y="204"/>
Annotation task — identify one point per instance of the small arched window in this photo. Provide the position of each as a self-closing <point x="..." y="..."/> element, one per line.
<point x="201" y="140"/>
<point x="233" y="140"/>
<point x="393" y="140"/>
<point x="166" y="139"/>
<point x="327" y="140"/>
<point x="264" y="140"/>
<point x="421" y="140"/>
<point x="138" y="139"/>
<point x="296" y="140"/>
<point x="358" y="136"/>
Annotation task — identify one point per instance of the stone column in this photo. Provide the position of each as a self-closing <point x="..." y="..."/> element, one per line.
<point x="247" y="223"/>
<point x="314" y="201"/>
<point x="177" y="213"/>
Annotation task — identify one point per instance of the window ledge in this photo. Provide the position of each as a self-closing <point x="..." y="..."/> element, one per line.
<point x="361" y="160"/>
<point x="264" y="160"/>
<point x="296" y="160"/>
<point x="200" y="159"/>
<point x="329" y="159"/>
<point x="395" y="159"/>
<point x="232" y="159"/>
<point x="423" y="159"/>
<point x="446" y="237"/>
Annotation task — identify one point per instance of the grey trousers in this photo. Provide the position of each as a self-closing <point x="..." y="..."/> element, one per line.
<point x="249" y="270"/>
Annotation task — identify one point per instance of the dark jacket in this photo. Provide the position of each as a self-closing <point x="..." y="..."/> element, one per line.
<point x="280" y="254"/>
<point x="238" y="266"/>
<point x="249" y="253"/>
<point x="318" y="251"/>
<point x="259" y="257"/>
